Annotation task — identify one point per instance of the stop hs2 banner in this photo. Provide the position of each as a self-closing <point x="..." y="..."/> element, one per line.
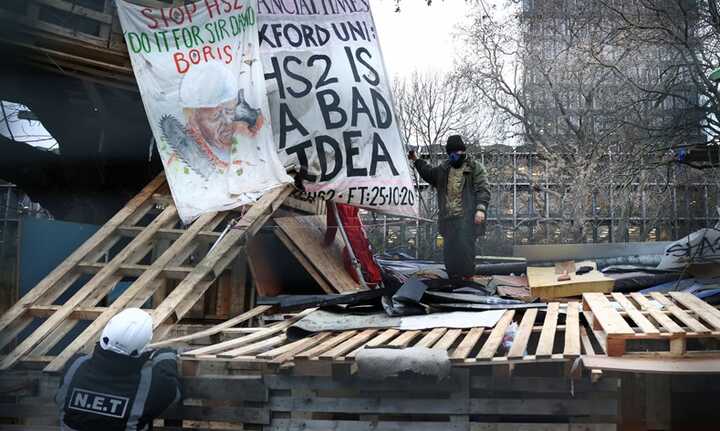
<point x="202" y="84"/>
<point x="328" y="113"/>
<point x="330" y="103"/>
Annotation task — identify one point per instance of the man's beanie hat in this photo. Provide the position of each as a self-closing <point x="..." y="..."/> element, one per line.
<point x="454" y="143"/>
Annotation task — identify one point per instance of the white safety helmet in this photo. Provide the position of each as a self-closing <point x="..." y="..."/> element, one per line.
<point x="128" y="332"/>
<point x="208" y="85"/>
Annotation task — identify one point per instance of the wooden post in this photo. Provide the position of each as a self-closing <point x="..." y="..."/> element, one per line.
<point x="658" y="395"/>
<point x="633" y="403"/>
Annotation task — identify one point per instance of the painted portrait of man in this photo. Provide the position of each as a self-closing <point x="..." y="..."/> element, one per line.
<point x="215" y="114"/>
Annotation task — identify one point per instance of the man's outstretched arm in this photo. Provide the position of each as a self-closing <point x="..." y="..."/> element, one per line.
<point x="427" y="173"/>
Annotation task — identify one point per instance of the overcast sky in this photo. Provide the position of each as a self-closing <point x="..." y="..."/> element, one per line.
<point x="419" y="37"/>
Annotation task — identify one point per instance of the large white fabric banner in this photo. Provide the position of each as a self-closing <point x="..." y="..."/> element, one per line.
<point x="202" y="84"/>
<point x="330" y="103"/>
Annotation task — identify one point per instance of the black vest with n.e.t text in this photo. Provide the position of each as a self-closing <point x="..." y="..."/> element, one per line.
<point x="112" y="392"/>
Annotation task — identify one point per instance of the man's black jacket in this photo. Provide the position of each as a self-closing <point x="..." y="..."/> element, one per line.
<point x="107" y="391"/>
<point x="475" y="193"/>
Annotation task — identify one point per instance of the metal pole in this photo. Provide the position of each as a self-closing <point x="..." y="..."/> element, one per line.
<point x="353" y="259"/>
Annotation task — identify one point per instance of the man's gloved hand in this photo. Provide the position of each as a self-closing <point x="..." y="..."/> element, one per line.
<point x="412" y="156"/>
<point x="479" y="217"/>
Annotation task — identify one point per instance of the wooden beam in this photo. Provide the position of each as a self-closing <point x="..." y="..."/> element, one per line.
<point x="52" y="282"/>
<point x="222" y="327"/>
<point x="96" y="286"/>
<point x="79" y="313"/>
<point x="146" y="283"/>
<point x="171" y="234"/>
<point x="135" y="270"/>
<point x="181" y="299"/>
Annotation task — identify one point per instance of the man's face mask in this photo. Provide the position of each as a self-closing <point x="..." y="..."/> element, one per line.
<point x="456" y="159"/>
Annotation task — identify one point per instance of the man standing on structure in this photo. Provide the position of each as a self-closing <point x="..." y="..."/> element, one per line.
<point x="463" y="198"/>
<point x="121" y="385"/>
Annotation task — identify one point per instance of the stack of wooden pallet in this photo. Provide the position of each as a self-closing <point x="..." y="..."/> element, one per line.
<point x="145" y="242"/>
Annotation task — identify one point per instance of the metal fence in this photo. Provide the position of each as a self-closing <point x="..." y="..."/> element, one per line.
<point x="665" y="203"/>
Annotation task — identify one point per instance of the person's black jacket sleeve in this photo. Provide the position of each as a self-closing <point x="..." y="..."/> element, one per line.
<point x="165" y="383"/>
<point x="480" y="187"/>
<point x="427" y="173"/>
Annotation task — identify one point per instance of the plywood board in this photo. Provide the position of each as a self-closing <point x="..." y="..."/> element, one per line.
<point x="308" y="234"/>
<point x="544" y="282"/>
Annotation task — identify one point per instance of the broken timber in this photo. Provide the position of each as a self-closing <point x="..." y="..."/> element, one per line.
<point x="195" y="277"/>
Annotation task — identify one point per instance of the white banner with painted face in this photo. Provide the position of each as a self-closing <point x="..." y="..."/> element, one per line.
<point x="202" y="84"/>
<point x="331" y="105"/>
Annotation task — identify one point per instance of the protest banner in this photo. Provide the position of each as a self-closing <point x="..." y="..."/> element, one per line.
<point x="204" y="94"/>
<point x="700" y="247"/>
<point x="331" y="105"/>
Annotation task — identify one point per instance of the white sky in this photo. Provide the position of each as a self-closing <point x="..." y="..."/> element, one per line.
<point x="30" y="132"/>
<point x="420" y="37"/>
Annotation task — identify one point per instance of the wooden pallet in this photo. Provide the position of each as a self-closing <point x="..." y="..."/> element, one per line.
<point x="144" y="242"/>
<point x="661" y="324"/>
<point x="467" y="400"/>
<point x="538" y="338"/>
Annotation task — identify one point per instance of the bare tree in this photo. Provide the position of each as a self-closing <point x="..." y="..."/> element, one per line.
<point x="558" y="72"/>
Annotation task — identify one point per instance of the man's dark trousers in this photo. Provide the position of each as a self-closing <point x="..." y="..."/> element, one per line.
<point x="459" y="247"/>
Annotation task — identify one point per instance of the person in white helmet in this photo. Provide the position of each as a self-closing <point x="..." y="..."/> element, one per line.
<point x="122" y="385"/>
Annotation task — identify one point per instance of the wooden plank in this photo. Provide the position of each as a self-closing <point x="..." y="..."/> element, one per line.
<point x="495" y="338"/>
<point x="431" y="337"/>
<point x="52" y="282"/>
<point x="326" y="345"/>
<point x="665" y="365"/>
<point x="135" y="270"/>
<point x="349" y="345"/>
<point x="448" y="339"/>
<point x="586" y="343"/>
<point x="643" y="323"/>
<point x="169" y="234"/>
<point x="547" y="335"/>
<point x="254" y="347"/>
<point x="295" y="346"/>
<point x="572" y="330"/>
<point x="604" y="313"/>
<point x="97" y="286"/>
<point x="680" y="314"/>
<point x="75" y="9"/>
<point x="517" y="350"/>
<point x="215" y="329"/>
<point x="261" y="259"/>
<point x="380" y="340"/>
<point x="404" y="339"/>
<point x="467" y="344"/>
<point x="143" y="286"/>
<point x="181" y="299"/>
<point x="300" y="347"/>
<point x="543" y="282"/>
<point x="704" y="310"/>
<point x="308" y="234"/>
<point x="309" y="267"/>
<point x="232" y="388"/>
<point x="80" y="313"/>
<point x="242" y="341"/>
<point x="656" y="314"/>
